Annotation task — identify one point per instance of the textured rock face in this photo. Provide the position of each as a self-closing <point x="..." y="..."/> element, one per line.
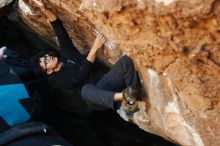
<point x="4" y="2"/>
<point x="175" y="47"/>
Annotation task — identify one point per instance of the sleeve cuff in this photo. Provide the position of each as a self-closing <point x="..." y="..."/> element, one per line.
<point x="87" y="63"/>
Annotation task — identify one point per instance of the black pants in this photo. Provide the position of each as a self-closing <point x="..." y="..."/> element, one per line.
<point x="122" y="75"/>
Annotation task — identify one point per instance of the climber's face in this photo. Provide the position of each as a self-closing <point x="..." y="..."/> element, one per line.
<point x="48" y="63"/>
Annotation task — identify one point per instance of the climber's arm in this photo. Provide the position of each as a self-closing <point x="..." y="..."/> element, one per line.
<point x="66" y="46"/>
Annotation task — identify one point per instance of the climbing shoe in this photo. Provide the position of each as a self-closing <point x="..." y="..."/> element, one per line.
<point x="130" y="97"/>
<point x="131" y="94"/>
<point x="130" y="109"/>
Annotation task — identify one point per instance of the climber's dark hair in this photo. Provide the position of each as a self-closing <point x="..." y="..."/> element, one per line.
<point x="54" y="53"/>
<point x="36" y="58"/>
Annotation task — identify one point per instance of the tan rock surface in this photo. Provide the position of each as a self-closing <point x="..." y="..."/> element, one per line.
<point x="175" y="46"/>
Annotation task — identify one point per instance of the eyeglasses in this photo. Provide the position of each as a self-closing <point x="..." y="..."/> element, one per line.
<point x="46" y="61"/>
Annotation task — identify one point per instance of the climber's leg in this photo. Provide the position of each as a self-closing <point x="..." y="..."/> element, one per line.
<point x="94" y="95"/>
<point x="122" y="75"/>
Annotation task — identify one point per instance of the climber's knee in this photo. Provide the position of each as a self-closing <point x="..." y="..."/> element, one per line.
<point x="85" y="91"/>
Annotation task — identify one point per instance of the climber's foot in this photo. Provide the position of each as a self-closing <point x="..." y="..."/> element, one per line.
<point x="130" y="96"/>
<point x="131" y="109"/>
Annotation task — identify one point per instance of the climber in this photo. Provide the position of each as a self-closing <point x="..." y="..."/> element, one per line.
<point x="72" y="69"/>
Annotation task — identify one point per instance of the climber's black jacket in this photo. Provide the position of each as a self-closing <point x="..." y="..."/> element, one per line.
<point x="76" y="69"/>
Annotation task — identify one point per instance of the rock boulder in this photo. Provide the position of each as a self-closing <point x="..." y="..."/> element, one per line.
<point x="175" y="46"/>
